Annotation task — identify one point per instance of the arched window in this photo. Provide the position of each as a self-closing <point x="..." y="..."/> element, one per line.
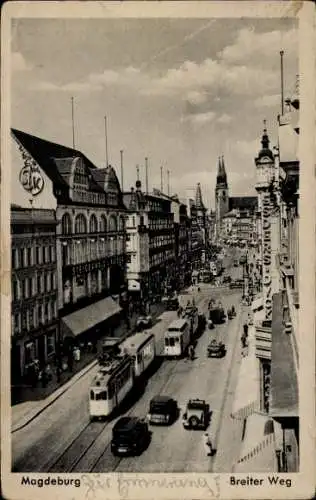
<point x="122" y="223"/>
<point x="66" y="224"/>
<point x="103" y="224"/>
<point x="93" y="224"/>
<point x="80" y="224"/>
<point x="113" y="223"/>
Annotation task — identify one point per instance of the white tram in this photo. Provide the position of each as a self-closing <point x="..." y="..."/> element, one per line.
<point x="111" y="384"/>
<point x="177" y="338"/>
<point x="141" y="347"/>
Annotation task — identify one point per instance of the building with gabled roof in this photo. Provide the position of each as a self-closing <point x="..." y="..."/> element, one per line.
<point x="90" y="232"/>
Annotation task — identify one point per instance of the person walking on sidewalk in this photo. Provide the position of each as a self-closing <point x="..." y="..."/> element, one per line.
<point x="208" y="445"/>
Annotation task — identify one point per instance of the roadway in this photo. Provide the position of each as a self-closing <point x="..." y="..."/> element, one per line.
<point x="62" y="439"/>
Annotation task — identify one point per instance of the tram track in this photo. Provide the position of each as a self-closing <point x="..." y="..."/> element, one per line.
<point x="86" y="450"/>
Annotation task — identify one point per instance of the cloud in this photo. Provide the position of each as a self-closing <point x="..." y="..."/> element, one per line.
<point x="200" y="118"/>
<point x="224" y="119"/>
<point x="267" y="100"/>
<point x="196" y="97"/>
<point x="257" y="47"/>
<point x="247" y="148"/>
<point x="18" y="62"/>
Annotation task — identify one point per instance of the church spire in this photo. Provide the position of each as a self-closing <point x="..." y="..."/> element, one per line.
<point x="221" y="180"/>
<point x="265" y="143"/>
<point x="198" y="197"/>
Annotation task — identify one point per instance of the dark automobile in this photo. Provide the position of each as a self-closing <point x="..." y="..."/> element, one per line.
<point x="143" y="322"/>
<point x="130" y="436"/>
<point x="162" y="410"/>
<point x="197" y="414"/>
<point x="171" y="303"/>
<point x="216" y="349"/>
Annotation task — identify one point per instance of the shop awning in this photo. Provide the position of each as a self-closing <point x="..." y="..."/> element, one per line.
<point x="90" y="316"/>
<point x="247" y="394"/>
<point x="284" y="385"/>
<point x="257" y="453"/>
<point x="257" y="303"/>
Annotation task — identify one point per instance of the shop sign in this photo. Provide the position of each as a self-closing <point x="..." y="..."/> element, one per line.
<point x="31" y="178"/>
<point x="266" y="256"/>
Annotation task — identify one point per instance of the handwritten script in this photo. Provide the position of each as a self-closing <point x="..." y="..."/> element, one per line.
<point x="124" y="485"/>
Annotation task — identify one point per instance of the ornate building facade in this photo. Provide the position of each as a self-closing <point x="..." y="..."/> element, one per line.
<point x="90" y="232"/>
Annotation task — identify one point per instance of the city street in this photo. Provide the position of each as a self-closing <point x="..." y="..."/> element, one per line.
<point x="63" y="439"/>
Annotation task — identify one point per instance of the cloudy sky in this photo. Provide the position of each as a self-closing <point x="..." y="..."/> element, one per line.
<point x="180" y="91"/>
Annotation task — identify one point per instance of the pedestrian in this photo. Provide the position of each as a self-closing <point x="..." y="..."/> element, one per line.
<point x="208" y="444"/>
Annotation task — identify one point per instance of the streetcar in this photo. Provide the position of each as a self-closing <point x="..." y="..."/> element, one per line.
<point x="141" y="347"/>
<point x="112" y="383"/>
<point x="205" y="276"/>
<point x="191" y="313"/>
<point x="177" y="338"/>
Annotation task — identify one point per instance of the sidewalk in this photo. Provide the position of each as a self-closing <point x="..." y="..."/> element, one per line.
<point x="32" y="401"/>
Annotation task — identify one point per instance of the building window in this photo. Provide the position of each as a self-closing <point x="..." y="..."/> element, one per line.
<point x="15" y="289"/>
<point x="112" y="223"/>
<point x="93" y="224"/>
<point x="50" y="343"/>
<point x="16" y="323"/>
<point x="80" y="224"/>
<point x="66" y="226"/>
<point x="13" y="257"/>
<point x="21" y="254"/>
<point x="29" y="257"/>
<point x="103" y="224"/>
<point x="48" y="282"/>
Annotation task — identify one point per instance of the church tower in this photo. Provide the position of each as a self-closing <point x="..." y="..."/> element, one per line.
<point x="221" y="195"/>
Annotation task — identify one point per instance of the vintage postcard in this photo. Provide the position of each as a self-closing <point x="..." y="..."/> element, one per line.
<point x="158" y="250"/>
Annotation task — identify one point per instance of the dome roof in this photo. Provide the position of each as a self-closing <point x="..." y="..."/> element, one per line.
<point x="265" y="142"/>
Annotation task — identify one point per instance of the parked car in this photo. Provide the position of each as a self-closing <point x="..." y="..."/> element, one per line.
<point x="130" y="436"/>
<point x="197" y="414"/>
<point x="162" y="410"/>
<point x="171" y="303"/>
<point x="216" y="349"/>
<point x="144" y="322"/>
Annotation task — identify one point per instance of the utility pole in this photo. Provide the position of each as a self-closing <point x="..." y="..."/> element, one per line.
<point x="73" y="123"/>
<point x="137" y="172"/>
<point x="106" y="141"/>
<point x="282" y="83"/>
<point x="146" y="173"/>
<point x="161" y="178"/>
<point x="122" y="173"/>
<point x="168" y="177"/>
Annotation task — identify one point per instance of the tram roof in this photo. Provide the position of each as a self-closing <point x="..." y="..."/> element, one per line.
<point x="177" y="323"/>
<point x="135" y="342"/>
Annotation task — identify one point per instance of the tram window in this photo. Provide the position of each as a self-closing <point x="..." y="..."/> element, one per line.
<point x="171" y="342"/>
<point x="100" y="396"/>
<point x="139" y="358"/>
<point x="176" y="339"/>
<point x="111" y="391"/>
<point x="92" y="395"/>
<point x="166" y="341"/>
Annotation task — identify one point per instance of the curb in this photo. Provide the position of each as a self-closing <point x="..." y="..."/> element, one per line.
<point x="53" y="397"/>
<point x="56" y="394"/>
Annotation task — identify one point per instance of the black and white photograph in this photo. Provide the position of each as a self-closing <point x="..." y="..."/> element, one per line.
<point x="154" y="249"/>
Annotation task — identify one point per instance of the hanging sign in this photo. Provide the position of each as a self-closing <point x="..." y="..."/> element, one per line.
<point x="31" y="177"/>
<point x="266" y="257"/>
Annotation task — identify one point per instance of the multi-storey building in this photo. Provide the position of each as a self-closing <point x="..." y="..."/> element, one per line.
<point x="151" y="268"/>
<point x="182" y="243"/>
<point x="90" y="232"/>
<point x="271" y="366"/>
<point x="34" y="289"/>
<point x="199" y="230"/>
